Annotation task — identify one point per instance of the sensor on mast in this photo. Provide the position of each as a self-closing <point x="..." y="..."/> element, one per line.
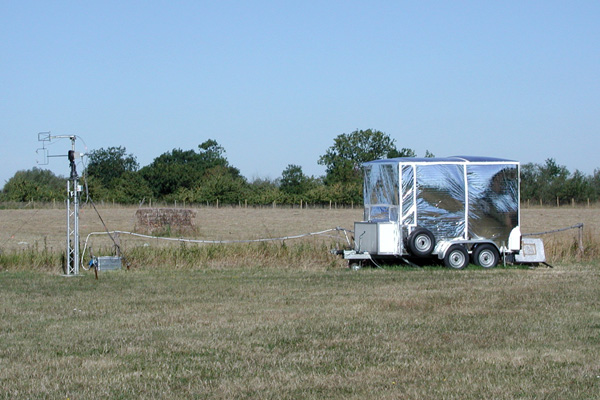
<point x="73" y="191"/>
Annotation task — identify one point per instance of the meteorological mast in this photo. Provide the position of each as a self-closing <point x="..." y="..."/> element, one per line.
<point x="74" y="190"/>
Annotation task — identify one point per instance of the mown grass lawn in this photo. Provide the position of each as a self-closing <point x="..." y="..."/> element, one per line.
<point x="284" y="333"/>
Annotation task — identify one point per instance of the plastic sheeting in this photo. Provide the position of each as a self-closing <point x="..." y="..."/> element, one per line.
<point x="441" y="195"/>
<point x="455" y="198"/>
<point x="493" y="201"/>
<point x="381" y="193"/>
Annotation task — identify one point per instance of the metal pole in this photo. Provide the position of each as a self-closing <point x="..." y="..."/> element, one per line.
<point x="72" y="228"/>
<point x="68" y="255"/>
<point x="72" y="216"/>
<point x="76" y="235"/>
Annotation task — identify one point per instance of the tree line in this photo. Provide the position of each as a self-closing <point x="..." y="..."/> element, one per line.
<point x="205" y="176"/>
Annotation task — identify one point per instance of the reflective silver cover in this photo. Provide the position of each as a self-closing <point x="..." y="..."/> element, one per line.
<point x="493" y="201"/>
<point x="455" y="197"/>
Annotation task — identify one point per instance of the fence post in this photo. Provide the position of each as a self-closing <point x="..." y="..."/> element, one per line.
<point x="581" y="239"/>
<point x="117" y="245"/>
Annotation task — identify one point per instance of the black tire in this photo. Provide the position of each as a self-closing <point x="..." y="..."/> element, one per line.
<point x="457" y="257"/>
<point x="355" y="266"/>
<point x="421" y="242"/>
<point x="486" y="256"/>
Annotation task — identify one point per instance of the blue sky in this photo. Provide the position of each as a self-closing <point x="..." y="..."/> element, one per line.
<point x="274" y="82"/>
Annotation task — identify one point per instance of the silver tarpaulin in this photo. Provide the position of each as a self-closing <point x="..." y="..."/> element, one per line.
<point x="493" y="200"/>
<point x="455" y="198"/>
<point x="441" y="199"/>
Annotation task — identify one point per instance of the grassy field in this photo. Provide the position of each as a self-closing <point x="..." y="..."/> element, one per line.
<point x="287" y="320"/>
<point x="267" y="333"/>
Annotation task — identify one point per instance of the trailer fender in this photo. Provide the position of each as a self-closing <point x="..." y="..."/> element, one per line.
<point x="514" y="239"/>
<point x="441" y="247"/>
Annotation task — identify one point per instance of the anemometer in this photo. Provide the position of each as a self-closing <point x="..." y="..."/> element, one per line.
<point x="74" y="190"/>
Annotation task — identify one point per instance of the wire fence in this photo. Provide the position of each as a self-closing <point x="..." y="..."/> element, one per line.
<point x="60" y="203"/>
<point x="578" y="226"/>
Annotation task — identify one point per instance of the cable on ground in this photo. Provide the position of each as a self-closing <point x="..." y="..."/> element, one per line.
<point x="201" y="241"/>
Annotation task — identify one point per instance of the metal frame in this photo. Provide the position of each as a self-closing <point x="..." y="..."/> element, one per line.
<point x="73" y="189"/>
<point x="72" y="267"/>
<point x="72" y="202"/>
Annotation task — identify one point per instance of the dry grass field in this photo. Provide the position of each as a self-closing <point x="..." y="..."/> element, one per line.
<point x="287" y="321"/>
<point x="44" y="227"/>
<point x="20" y="228"/>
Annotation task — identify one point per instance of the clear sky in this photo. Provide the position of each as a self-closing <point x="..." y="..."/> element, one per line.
<point x="274" y="82"/>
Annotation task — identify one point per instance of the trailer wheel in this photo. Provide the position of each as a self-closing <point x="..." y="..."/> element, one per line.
<point x="421" y="242"/>
<point x="355" y="266"/>
<point x="486" y="256"/>
<point x="457" y="257"/>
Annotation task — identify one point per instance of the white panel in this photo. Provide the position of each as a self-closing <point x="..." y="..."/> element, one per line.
<point x="389" y="238"/>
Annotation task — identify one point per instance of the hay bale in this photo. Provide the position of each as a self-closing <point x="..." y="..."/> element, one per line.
<point x="165" y="220"/>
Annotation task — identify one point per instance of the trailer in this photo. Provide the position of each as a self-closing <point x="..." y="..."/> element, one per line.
<point x="458" y="210"/>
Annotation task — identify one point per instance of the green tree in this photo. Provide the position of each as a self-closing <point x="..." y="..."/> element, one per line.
<point x="530" y="182"/>
<point x="551" y="181"/>
<point x="263" y="191"/>
<point x="294" y="182"/>
<point x="131" y="188"/>
<point x="212" y="154"/>
<point x="179" y="169"/>
<point x="217" y="185"/>
<point x="349" y="151"/>
<point x="173" y="170"/>
<point x="187" y="169"/>
<point x="553" y="178"/>
<point x="578" y="187"/>
<point x="595" y="184"/>
<point x="404" y="152"/>
<point x="34" y="184"/>
<point x="107" y="165"/>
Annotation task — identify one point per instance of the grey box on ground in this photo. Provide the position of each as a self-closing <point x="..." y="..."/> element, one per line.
<point x="109" y="263"/>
